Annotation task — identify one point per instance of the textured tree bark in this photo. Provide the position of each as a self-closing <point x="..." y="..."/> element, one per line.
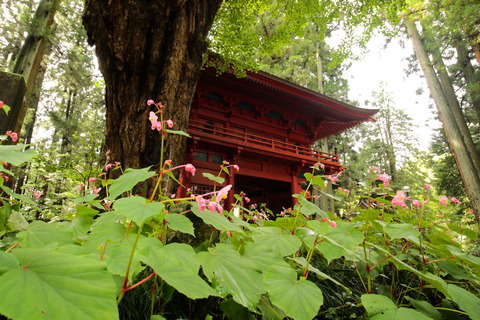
<point x="148" y="50"/>
<point x="456" y="139"/>
<point x="472" y="78"/>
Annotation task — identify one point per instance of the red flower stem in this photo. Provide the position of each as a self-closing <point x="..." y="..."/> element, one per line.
<point x="140" y="282"/>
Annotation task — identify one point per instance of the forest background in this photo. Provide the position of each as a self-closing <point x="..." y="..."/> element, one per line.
<point x="66" y="104"/>
<point x="411" y="249"/>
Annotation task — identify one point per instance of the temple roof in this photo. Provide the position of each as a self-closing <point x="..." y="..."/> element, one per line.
<point x="331" y="116"/>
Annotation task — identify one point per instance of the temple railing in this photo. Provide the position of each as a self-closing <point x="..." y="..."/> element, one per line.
<point x="244" y="138"/>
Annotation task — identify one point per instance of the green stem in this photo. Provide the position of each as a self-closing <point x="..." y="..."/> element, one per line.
<point x="309" y="257"/>
<point x="129" y="265"/>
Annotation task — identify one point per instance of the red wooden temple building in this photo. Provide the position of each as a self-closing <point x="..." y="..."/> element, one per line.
<point x="265" y="125"/>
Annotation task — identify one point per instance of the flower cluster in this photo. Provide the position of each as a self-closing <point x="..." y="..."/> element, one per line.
<point x="213" y="205"/>
<point x="385" y="178"/>
<point x="157" y="125"/>
<point x="12" y="135"/>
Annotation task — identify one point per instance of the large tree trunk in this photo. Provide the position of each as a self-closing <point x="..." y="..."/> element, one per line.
<point x="148" y="50"/>
<point x="457" y="141"/>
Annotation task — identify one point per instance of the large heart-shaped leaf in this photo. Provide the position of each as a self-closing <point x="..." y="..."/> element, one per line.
<point x="137" y="209"/>
<point x="128" y="180"/>
<point x="403" y="230"/>
<point x="50" y="285"/>
<point x="15" y="154"/>
<point x="382" y="308"/>
<point x="180" y="223"/>
<point x="39" y="234"/>
<point x="277" y="241"/>
<point x="233" y="274"/>
<point x="215" y="219"/>
<point x="176" y="264"/>
<point x="299" y="299"/>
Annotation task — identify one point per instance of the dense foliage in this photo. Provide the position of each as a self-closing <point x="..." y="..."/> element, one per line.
<point x="390" y="256"/>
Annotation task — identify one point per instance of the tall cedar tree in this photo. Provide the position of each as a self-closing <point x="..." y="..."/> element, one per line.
<point x="148" y="50"/>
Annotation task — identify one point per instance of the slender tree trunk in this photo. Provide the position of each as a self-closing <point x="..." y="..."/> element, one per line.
<point x="472" y="78"/>
<point x="455" y="108"/>
<point x="464" y="159"/>
<point x="148" y="50"/>
<point x="318" y="58"/>
<point x="33" y="49"/>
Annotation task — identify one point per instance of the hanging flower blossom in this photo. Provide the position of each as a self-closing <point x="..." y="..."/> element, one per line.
<point x="212" y="206"/>
<point x="96" y="190"/>
<point x="202" y="203"/>
<point x="92" y="179"/>
<point x="455" y="200"/>
<point x="12" y="135"/>
<point x="37" y="194"/>
<point x="399" y="200"/>
<point x="443" y="200"/>
<point x="150" y="102"/>
<point x="169" y="123"/>
<point x="385" y="178"/>
<point x="222" y="194"/>
<point x="416" y="203"/>
<point x="190" y="168"/>
<point x="427" y="186"/>
<point x="332" y="224"/>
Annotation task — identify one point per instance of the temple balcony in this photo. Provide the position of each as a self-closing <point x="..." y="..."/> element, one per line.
<point x="202" y="130"/>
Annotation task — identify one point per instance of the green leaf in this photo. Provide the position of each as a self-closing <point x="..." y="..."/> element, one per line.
<point x="235" y="311"/>
<point x="302" y="262"/>
<point x="128" y="180"/>
<point x="49" y="285"/>
<point x="466" y="300"/>
<point x="279" y="242"/>
<point x="233" y="274"/>
<point x="376" y="304"/>
<point x="85" y="211"/>
<point x="15" y="154"/>
<point x="400" y="314"/>
<point x="425" y="308"/>
<point x="137" y="209"/>
<point x="308" y="208"/>
<point x="80" y="225"/>
<point x="402" y="231"/>
<point x="264" y="256"/>
<point x="88" y="198"/>
<point x="216" y="179"/>
<point x="106" y="229"/>
<point x="180" y="223"/>
<point x="20" y="197"/>
<point x="39" y="234"/>
<point x="177" y="265"/>
<point x="7" y="261"/>
<point x="179" y="132"/>
<point x="299" y="299"/>
<point x="6" y="108"/>
<point x="345" y="235"/>
<point x="215" y="219"/>
<point x="17" y="222"/>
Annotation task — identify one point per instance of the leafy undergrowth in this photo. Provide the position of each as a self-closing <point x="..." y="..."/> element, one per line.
<point x="137" y="258"/>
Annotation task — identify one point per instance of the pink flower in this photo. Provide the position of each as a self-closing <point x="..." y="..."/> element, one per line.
<point x="202" y="203"/>
<point x="372" y="169"/>
<point x="212" y="206"/>
<point x="37" y="194"/>
<point x="220" y="208"/>
<point x="247" y="199"/>
<point x="443" y="200"/>
<point x="169" y="123"/>
<point x="236" y="167"/>
<point x="222" y="194"/>
<point x="385" y="179"/>
<point x="325" y="183"/>
<point x="416" y="203"/>
<point x="319" y="164"/>
<point x="92" y="179"/>
<point x="190" y="168"/>
<point x="332" y="224"/>
<point x="96" y="190"/>
<point x="344" y="190"/>
<point x="399" y="200"/>
<point x="167" y="162"/>
<point x="427" y="186"/>
<point x="156" y="125"/>
<point x="12" y="135"/>
<point x="150" y="102"/>
<point x="455" y="200"/>
<point x="333" y="178"/>
<point x="1" y="104"/>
